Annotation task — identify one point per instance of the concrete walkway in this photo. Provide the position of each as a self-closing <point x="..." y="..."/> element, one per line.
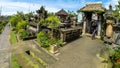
<point x="80" y="53"/>
<point x="5" y="48"/>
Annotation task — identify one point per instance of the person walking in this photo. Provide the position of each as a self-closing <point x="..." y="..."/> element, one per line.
<point x="93" y="34"/>
<point x="94" y="26"/>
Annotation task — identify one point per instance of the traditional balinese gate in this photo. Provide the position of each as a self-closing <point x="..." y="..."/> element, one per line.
<point x="92" y="11"/>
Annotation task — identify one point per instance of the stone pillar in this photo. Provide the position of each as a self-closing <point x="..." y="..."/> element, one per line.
<point x="99" y="25"/>
<point x="84" y="27"/>
<point x="117" y="21"/>
<point x="63" y="37"/>
<point x="38" y="28"/>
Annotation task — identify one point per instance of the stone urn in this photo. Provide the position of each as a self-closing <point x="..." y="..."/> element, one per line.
<point x="109" y="29"/>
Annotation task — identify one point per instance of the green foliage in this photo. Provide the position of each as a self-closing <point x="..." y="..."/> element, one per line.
<point x="111" y="51"/>
<point x="59" y="43"/>
<point x="71" y="13"/>
<point x="116" y="12"/>
<point x="116" y="58"/>
<point x="42" y="22"/>
<point x="41" y="34"/>
<point x="29" y="15"/>
<point x="4" y="18"/>
<point x="117" y="65"/>
<point x="52" y="40"/>
<point x="46" y="41"/>
<point x="2" y="25"/>
<point x="21" y="25"/>
<point x="43" y="39"/>
<point x="16" y="18"/>
<point x="14" y="62"/>
<point x="42" y="12"/>
<point x="50" y="14"/>
<point x="13" y="38"/>
<point x="53" y="21"/>
<point x="29" y="62"/>
<point x="38" y="59"/>
<point x="23" y="33"/>
<point x="117" y="55"/>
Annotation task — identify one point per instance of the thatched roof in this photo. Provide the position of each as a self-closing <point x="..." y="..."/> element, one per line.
<point x="62" y="12"/>
<point x="93" y="7"/>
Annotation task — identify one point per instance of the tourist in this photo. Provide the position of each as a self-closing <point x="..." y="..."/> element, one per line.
<point x="94" y="26"/>
<point x="93" y="34"/>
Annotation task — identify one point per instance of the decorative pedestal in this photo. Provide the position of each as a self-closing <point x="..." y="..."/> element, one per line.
<point x="54" y="49"/>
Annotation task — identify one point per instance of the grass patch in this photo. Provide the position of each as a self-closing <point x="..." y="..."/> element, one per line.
<point x="29" y="62"/>
<point x="13" y="38"/>
<point x="14" y="62"/>
<point x="38" y="60"/>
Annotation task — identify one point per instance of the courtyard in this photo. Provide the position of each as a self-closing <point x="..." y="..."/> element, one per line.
<point x="81" y="53"/>
<point x="60" y="34"/>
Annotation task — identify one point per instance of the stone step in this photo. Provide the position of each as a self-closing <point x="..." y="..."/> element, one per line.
<point x="48" y="59"/>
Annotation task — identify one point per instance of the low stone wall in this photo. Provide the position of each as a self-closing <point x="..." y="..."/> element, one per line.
<point x="47" y="57"/>
<point x="29" y="38"/>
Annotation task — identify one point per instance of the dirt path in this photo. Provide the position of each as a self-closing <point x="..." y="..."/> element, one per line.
<point x="80" y="53"/>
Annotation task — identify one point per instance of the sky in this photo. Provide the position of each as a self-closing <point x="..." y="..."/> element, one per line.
<point x="10" y="7"/>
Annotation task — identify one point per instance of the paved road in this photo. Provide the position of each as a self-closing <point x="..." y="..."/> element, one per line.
<point x="5" y="48"/>
<point x="80" y="53"/>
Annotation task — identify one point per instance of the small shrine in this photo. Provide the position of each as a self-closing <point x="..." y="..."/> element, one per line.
<point x="63" y="15"/>
<point x="92" y="11"/>
<point x="112" y="34"/>
<point x="68" y="31"/>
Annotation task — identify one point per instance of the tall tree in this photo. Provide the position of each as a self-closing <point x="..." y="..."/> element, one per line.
<point x="42" y="12"/>
<point x="16" y="18"/>
<point x="21" y="25"/>
<point x="29" y="15"/>
<point x="117" y="11"/>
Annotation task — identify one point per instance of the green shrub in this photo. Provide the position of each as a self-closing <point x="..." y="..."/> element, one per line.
<point x="43" y="39"/>
<point x="2" y="25"/>
<point x="21" y="25"/>
<point x="117" y="55"/>
<point x="13" y="38"/>
<point x="23" y="33"/>
<point x="14" y="62"/>
<point x="117" y="65"/>
<point x="59" y="42"/>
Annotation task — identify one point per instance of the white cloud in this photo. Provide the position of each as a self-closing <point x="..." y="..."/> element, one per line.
<point x="9" y="8"/>
<point x="8" y="13"/>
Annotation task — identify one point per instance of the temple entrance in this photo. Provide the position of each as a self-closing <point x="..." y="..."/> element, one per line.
<point x="92" y="11"/>
<point x="88" y="21"/>
<point x="91" y="22"/>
